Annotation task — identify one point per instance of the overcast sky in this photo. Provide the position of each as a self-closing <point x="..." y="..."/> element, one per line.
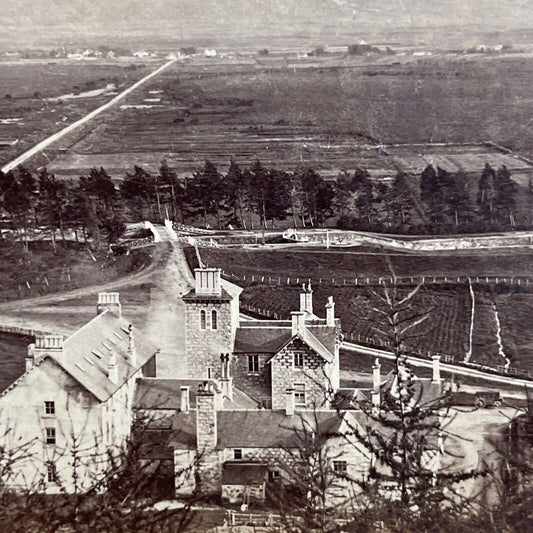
<point x="192" y="17"/>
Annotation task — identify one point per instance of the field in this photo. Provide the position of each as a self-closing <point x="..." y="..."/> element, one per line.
<point x="39" y="97"/>
<point x="70" y="266"/>
<point x="330" y="113"/>
<point x="446" y="331"/>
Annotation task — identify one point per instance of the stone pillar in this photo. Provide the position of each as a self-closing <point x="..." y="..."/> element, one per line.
<point x="436" y="368"/>
<point x="206" y="417"/>
<point x="376" y="375"/>
<point x="376" y="403"/>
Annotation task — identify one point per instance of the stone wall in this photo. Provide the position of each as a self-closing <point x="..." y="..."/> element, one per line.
<point x="204" y="346"/>
<point x="257" y="385"/>
<point x="285" y="375"/>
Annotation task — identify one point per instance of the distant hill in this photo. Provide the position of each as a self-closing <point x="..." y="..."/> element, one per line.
<point x="61" y="19"/>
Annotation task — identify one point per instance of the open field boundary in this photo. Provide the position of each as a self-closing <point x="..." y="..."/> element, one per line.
<point x="521" y="281"/>
<point x="20" y="330"/>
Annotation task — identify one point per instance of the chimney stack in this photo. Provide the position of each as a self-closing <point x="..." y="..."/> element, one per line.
<point x="330" y="312"/>
<point x="289" y="402"/>
<point x="132" y="354"/>
<point x="206" y="417"/>
<point x="109" y="301"/>
<point x="207" y="281"/>
<point x="44" y="345"/>
<point x="112" y="368"/>
<point x="306" y="299"/>
<point x="376" y="375"/>
<point x="298" y="322"/>
<point x="185" y="403"/>
<point x="436" y="368"/>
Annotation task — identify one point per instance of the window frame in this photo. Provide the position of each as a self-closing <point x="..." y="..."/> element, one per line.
<point x="237" y="454"/>
<point x="49" y="408"/>
<point x="299" y="390"/>
<point x="214" y="319"/>
<point x="340" y="467"/>
<point x="298" y="360"/>
<point x="50" y="436"/>
<point x="203" y="319"/>
<point x="253" y="364"/>
<point x="51" y="472"/>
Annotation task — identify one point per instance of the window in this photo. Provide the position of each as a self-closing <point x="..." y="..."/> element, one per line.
<point x="299" y="394"/>
<point x="339" y="467"/>
<point x="213" y="319"/>
<point x="209" y="372"/>
<point x="49" y="408"/>
<point x="50" y="435"/>
<point x="253" y="363"/>
<point x="202" y="320"/>
<point x="273" y="475"/>
<point x="237" y="453"/>
<point x="51" y="473"/>
<point x="298" y="359"/>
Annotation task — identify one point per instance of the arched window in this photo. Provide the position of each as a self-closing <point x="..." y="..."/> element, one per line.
<point x="202" y="320"/>
<point x="213" y="319"/>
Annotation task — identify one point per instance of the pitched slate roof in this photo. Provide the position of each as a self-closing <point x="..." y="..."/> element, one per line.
<point x="308" y="338"/>
<point x="165" y="394"/>
<point x="257" y="428"/>
<point x="192" y="296"/>
<point x="86" y="354"/>
<point x="272" y="336"/>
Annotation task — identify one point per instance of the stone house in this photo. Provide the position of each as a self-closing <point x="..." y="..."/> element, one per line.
<point x="265" y="358"/>
<point x="238" y="454"/>
<point x="75" y="397"/>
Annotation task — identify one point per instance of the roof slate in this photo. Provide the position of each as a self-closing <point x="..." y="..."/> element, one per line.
<point x="86" y="354"/>
<point x="257" y="428"/>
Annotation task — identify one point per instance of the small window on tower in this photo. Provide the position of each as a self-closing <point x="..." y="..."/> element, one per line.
<point x="213" y="319"/>
<point x="203" y="324"/>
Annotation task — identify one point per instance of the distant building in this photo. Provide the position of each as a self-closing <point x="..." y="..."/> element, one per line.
<point x="76" y="396"/>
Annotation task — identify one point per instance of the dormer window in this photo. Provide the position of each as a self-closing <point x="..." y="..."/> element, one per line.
<point x="213" y="319"/>
<point x="203" y="320"/>
<point x="298" y="360"/>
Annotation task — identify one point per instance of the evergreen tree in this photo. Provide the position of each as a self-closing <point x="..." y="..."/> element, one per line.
<point x="505" y="197"/>
<point x="237" y="189"/>
<point x="487" y="193"/>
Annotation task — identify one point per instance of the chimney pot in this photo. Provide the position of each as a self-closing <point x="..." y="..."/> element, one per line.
<point x="330" y="312"/>
<point x="45" y="345"/>
<point x="376" y="375"/>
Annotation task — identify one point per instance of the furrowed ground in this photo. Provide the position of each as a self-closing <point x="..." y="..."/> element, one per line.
<point x="447" y="329"/>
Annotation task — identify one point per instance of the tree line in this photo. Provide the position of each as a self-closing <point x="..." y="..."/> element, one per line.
<point x="257" y="196"/>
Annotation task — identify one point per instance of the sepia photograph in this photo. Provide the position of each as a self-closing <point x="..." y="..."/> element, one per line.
<point x="266" y="266"/>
